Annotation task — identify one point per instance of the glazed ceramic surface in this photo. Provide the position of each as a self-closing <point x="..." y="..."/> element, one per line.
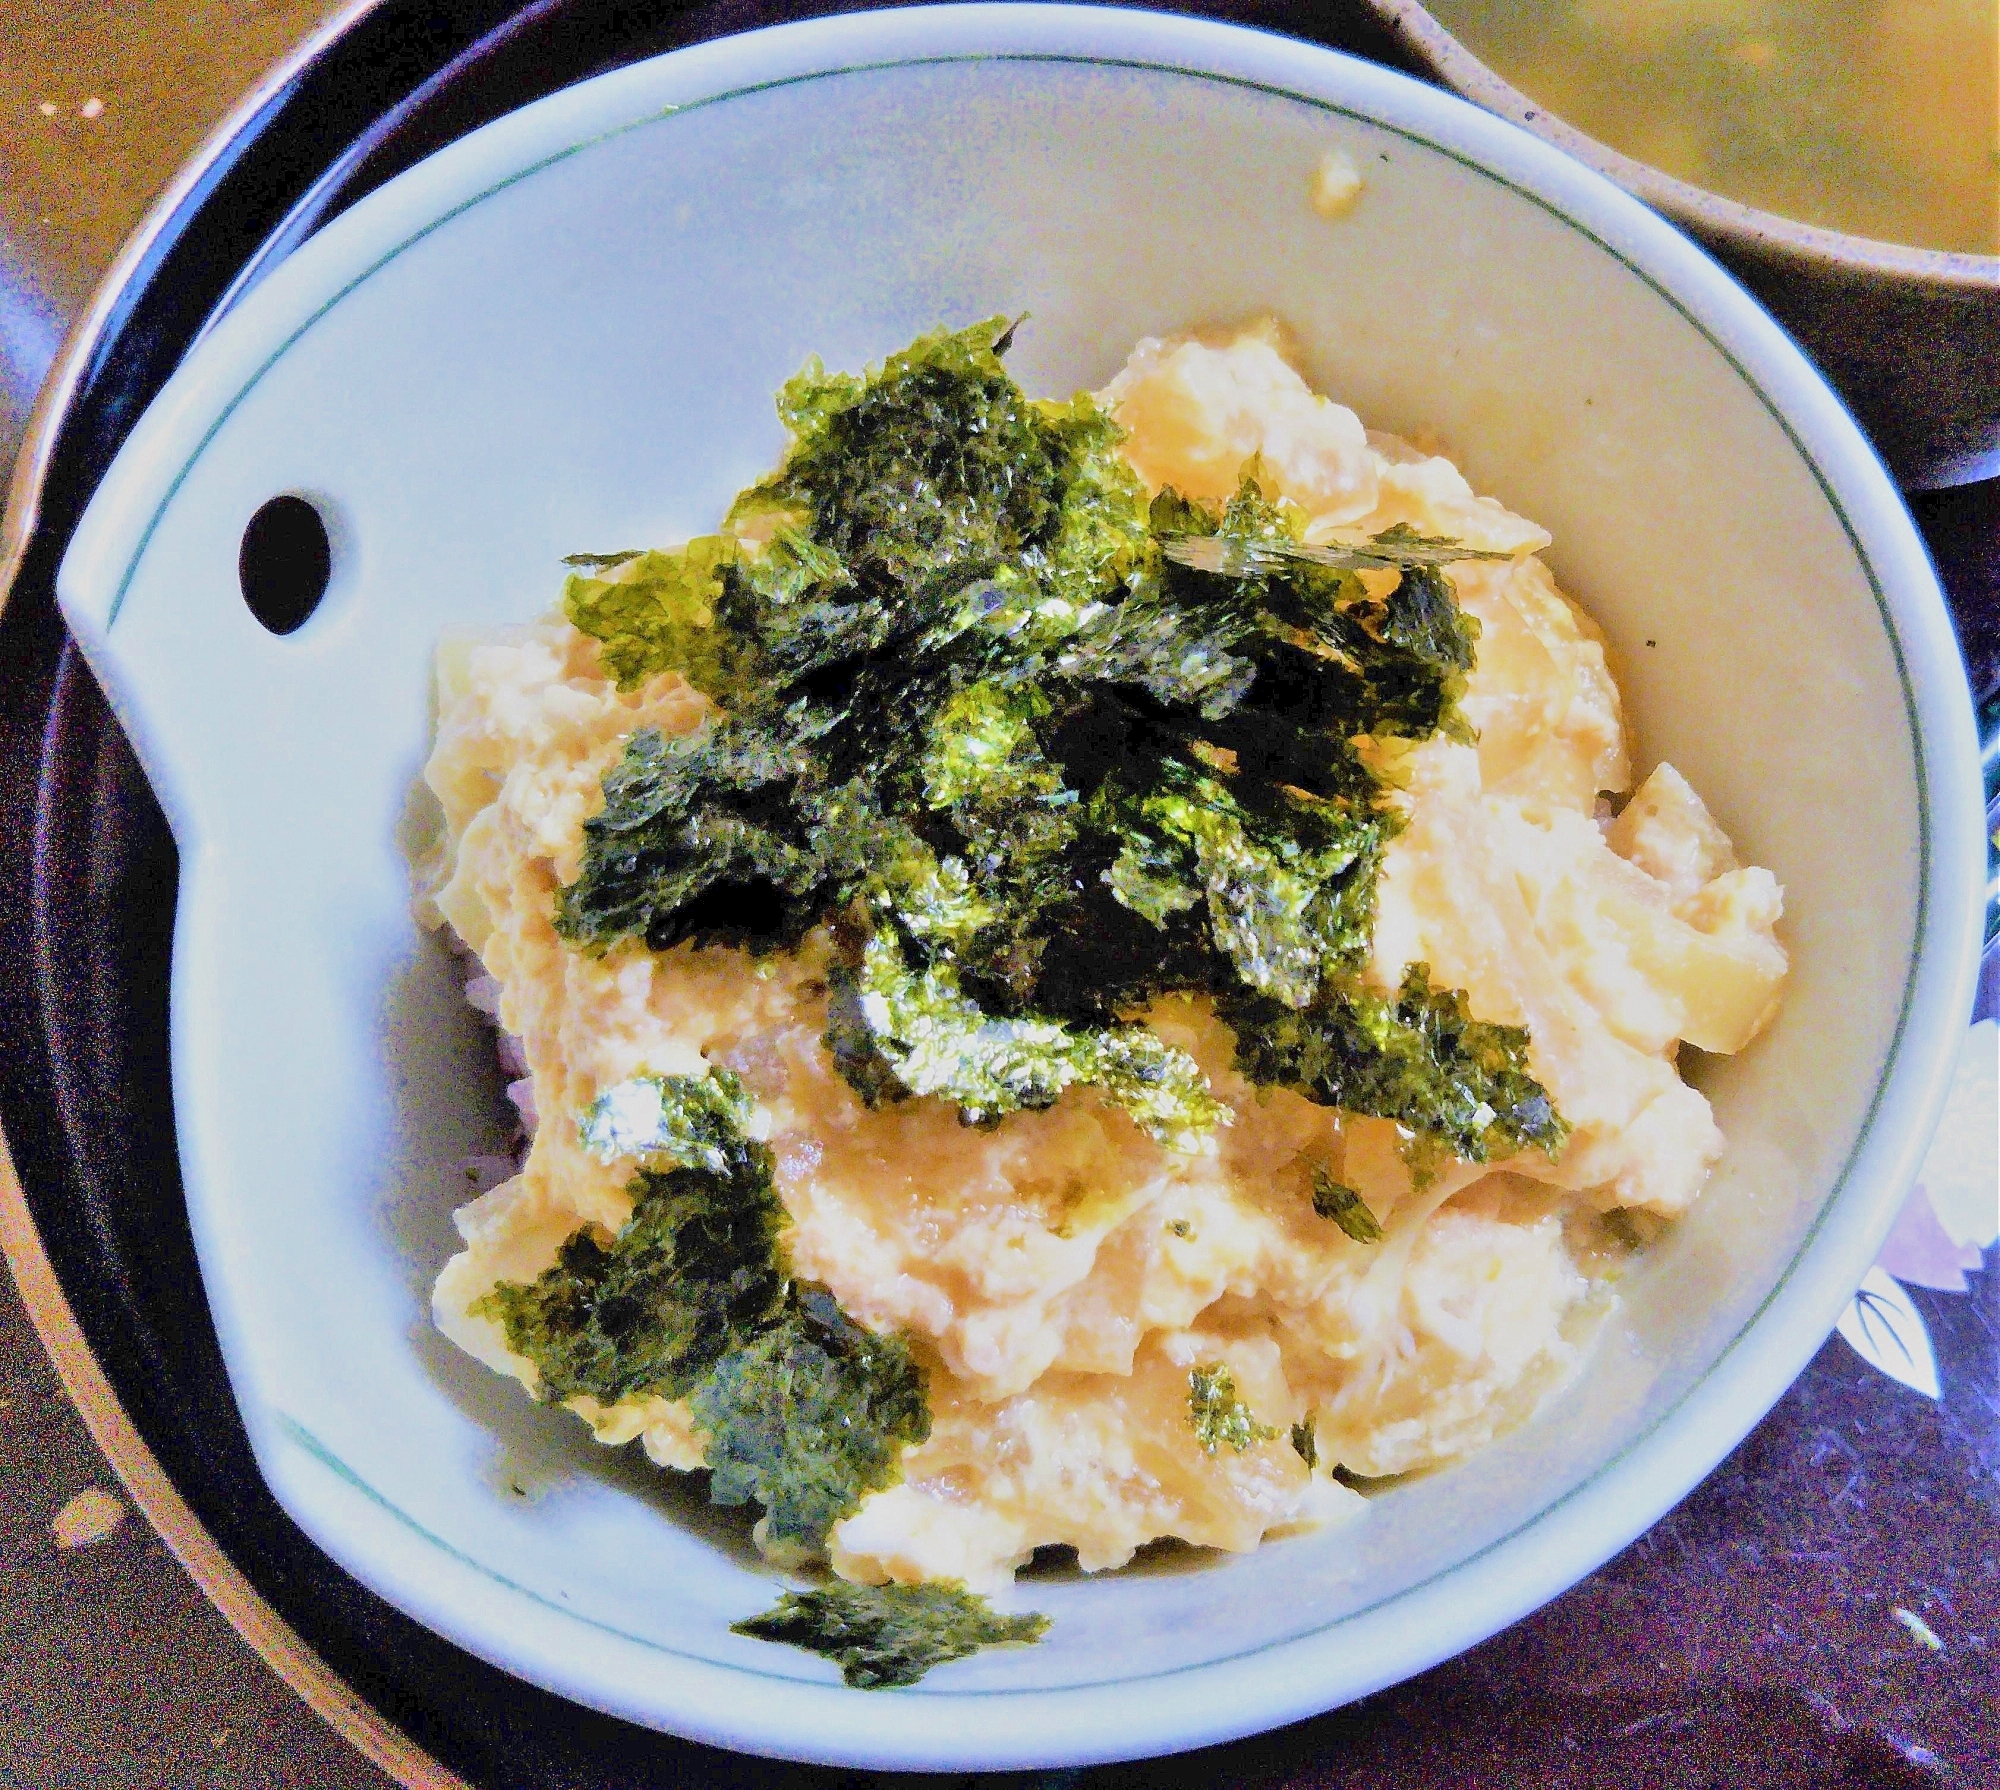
<point x="563" y="333"/>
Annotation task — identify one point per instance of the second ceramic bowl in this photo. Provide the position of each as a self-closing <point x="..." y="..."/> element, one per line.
<point x="1910" y="337"/>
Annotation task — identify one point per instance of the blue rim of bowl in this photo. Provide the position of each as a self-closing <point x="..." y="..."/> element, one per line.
<point x="1922" y="763"/>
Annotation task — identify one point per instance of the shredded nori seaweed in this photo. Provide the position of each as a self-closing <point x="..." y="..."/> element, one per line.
<point x="797" y="1406"/>
<point x="882" y="1636"/>
<point x="1333" y="1199"/>
<point x="1217" y="1416"/>
<point x="1038" y="772"/>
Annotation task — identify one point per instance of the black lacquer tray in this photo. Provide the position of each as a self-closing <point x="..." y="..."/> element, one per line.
<point x="87" y="883"/>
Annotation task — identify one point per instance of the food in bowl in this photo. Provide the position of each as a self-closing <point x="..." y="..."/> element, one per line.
<point x="1874" y="117"/>
<point x="1033" y="1044"/>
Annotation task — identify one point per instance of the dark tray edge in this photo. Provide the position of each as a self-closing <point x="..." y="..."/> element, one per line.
<point x="82" y="1375"/>
<point x="259" y="1625"/>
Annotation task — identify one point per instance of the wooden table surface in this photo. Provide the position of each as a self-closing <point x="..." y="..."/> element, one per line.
<point x="1750" y="1639"/>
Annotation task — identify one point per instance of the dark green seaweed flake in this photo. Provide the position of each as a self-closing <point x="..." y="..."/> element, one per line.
<point x="1217" y="1416"/>
<point x="654" y="612"/>
<point x="882" y="1636"/>
<point x="1417" y="1057"/>
<point x="597" y="562"/>
<point x="797" y="1406"/>
<point x="693" y="1121"/>
<point x="1289" y="895"/>
<point x="1040" y="773"/>
<point x="937" y="1041"/>
<point x="691" y="1274"/>
<point x="1332" y="1199"/>
<point x="808" y="1417"/>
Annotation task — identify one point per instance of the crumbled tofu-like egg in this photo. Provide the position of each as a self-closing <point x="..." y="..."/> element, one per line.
<point x="1059" y="1273"/>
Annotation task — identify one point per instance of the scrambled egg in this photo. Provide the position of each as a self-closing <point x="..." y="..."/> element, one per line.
<point x="1060" y="1274"/>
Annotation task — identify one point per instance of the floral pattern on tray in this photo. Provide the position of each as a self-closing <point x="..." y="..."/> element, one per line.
<point x="1953" y="1213"/>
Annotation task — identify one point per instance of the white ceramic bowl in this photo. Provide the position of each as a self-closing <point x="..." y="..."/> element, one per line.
<point x="563" y="332"/>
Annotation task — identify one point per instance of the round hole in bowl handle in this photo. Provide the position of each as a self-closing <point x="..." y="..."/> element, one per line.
<point x="284" y="563"/>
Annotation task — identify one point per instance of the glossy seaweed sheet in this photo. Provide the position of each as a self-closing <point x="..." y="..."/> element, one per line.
<point x="1749" y="1638"/>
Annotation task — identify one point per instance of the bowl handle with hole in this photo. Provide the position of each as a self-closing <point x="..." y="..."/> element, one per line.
<point x="196" y="612"/>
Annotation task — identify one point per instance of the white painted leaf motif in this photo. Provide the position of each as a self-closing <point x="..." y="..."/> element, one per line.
<point x="1887" y="1331"/>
